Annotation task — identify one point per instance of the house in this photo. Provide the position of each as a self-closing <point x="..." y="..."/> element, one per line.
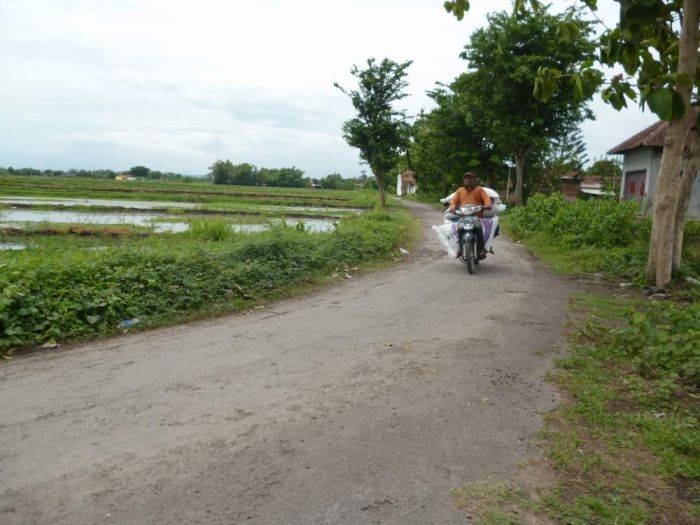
<point x="594" y="187"/>
<point x="640" y="169"/>
<point x="570" y="185"/>
<point x="124" y="176"/>
<point x="406" y="183"/>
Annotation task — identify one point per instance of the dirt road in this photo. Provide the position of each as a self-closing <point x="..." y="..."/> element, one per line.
<point x="362" y="403"/>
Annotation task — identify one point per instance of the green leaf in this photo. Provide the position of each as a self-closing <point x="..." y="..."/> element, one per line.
<point x="666" y="103"/>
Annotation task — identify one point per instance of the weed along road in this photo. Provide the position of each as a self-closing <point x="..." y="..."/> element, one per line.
<point x="364" y="402"/>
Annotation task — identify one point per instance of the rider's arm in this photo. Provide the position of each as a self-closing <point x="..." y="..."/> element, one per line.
<point x="455" y="200"/>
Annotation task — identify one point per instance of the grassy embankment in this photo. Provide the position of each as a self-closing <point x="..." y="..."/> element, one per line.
<point x="72" y="287"/>
<point x="625" y="444"/>
<point x="77" y="282"/>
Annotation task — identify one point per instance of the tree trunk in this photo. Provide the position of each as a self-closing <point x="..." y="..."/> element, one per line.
<point x="686" y="188"/>
<point x="670" y="180"/>
<point x="382" y="193"/>
<point x="519" y="172"/>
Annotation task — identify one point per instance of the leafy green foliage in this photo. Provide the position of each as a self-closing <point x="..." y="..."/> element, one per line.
<point x="210" y="229"/>
<point x="661" y="341"/>
<point x="379" y="130"/>
<point x="63" y="294"/>
<point x="449" y="141"/>
<point x="505" y="59"/>
<point x="224" y="172"/>
<point x="603" y="223"/>
<point x="644" y="43"/>
<point x="568" y="152"/>
<point x="139" y="171"/>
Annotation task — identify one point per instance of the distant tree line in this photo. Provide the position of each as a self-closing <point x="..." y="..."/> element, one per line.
<point x="246" y="174"/>
<point x="221" y="172"/>
<point x="140" y="172"/>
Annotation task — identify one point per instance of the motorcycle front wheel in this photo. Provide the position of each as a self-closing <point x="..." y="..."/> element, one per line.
<point x="470" y="254"/>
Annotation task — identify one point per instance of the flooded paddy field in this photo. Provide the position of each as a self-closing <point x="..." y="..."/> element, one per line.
<point x="191" y="192"/>
<point x="157" y="222"/>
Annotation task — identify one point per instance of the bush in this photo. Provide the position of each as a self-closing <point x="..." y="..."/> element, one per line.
<point x="77" y="293"/>
<point x="602" y="223"/>
<point x="210" y="229"/>
<point x="661" y="340"/>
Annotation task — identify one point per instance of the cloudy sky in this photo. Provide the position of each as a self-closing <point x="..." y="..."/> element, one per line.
<point x="177" y="84"/>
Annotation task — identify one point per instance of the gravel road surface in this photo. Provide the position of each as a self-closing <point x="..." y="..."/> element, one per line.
<point x="364" y="402"/>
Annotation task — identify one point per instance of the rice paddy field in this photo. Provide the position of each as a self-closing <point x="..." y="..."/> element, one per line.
<point x="83" y="258"/>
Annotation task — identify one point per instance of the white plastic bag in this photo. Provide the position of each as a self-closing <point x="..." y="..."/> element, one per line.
<point x="448" y="237"/>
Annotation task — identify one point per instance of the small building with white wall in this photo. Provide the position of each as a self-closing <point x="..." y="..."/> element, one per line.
<point x="640" y="169"/>
<point x="406" y="183"/>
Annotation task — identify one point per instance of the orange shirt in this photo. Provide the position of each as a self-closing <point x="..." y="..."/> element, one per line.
<point x="476" y="197"/>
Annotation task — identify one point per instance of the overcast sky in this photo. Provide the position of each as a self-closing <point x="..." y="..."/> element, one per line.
<point x="177" y="84"/>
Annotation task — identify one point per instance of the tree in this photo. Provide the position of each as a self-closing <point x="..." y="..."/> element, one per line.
<point x="332" y="181"/>
<point x="505" y="58"/>
<point x="221" y="172"/>
<point x="570" y="151"/>
<point x="447" y="142"/>
<point x="139" y="171"/>
<point x="379" y="130"/>
<point x="656" y="43"/>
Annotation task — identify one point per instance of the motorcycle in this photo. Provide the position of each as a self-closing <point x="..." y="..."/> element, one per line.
<point x="458" y="235"/>
<point x="467" y="221"/>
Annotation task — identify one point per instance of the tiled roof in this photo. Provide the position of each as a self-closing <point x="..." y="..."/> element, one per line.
<point x="652" y="136"/>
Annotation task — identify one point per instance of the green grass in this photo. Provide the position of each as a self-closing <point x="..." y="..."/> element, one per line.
<point x="625" y="444"/>
<point x="73" y="287"/>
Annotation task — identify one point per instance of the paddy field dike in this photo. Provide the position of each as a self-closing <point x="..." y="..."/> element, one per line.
<point x="85" y="258"/>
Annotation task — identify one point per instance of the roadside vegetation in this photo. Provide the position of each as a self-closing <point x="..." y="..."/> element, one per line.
<point x="594" y="236"/>
<point x="76" y="287"/>
<point x="625" y="443"/>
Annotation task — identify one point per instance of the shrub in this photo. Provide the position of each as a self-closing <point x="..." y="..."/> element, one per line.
<point x="209" y="229"/>
<point x="603" y="223"/>
<point x="661" y="340"/>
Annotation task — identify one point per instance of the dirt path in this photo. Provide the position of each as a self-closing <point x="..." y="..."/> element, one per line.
<point x="362" y="403"/>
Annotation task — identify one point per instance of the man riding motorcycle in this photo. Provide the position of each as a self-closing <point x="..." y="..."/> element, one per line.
<point x="472" y="194"/>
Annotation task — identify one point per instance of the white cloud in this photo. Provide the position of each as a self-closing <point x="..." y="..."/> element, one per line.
<point x="176" y="84"/>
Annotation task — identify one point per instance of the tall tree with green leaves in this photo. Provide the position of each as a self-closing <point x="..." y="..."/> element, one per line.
<point x="504" y="59"/>
<point x="447" y="142"/>
<point x="379" y="130"/>
<point x="656" y="43"/>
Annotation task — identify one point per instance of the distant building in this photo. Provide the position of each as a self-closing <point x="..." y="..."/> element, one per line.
<point x="406" y="183"/>
<point x="594" y="187"/>
<point x="571" y="185"/>
<point x="124" y="176"/>
<point x="640" y="169"/>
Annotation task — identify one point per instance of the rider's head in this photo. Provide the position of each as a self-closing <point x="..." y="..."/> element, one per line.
<point x="470" y="180"/>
